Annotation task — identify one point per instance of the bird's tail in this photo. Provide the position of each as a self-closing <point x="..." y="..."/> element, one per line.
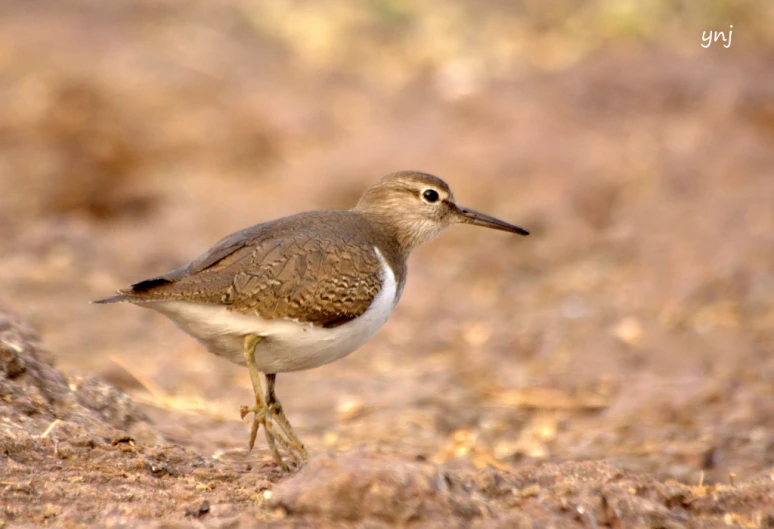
<point x="113" y="299"/>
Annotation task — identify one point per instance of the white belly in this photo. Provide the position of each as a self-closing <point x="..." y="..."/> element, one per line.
<point x="287" y="345"/>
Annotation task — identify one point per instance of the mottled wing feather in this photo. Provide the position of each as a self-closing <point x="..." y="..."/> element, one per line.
<point x="228" y="249"/>
<point x="307" y="277"/>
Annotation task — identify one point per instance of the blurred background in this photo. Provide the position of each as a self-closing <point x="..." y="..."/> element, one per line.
<point x="635" y="323"/>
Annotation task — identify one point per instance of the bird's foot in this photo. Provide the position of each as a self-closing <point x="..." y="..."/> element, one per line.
<point x="279" y="435"/>
<point x="294" y="446"/>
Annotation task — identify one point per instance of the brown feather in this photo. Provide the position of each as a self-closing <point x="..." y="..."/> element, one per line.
<point x="317" y="267"/>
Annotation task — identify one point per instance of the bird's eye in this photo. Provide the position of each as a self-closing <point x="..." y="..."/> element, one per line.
<point x="430" y="195"/>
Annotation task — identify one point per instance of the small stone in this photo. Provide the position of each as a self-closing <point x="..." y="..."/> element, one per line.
<point x="477" y="334"/>
<point x="629" y="331"/>
<point x="330" y="439"/>
<point x="349" y="407"/>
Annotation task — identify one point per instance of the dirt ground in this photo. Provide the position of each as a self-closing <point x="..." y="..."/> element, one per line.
<point x="614" y="369"/>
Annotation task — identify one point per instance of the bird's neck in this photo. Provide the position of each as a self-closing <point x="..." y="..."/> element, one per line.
<point x="403" y="234"/>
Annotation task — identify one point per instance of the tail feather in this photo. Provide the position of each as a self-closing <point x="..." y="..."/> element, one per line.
<point x="113" y="299"/>
<point x="148" y="284"/>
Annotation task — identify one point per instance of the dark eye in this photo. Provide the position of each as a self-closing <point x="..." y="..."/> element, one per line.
<point x="430" y="195"/>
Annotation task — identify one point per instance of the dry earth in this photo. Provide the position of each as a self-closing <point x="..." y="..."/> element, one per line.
<point x="614" y="369"/>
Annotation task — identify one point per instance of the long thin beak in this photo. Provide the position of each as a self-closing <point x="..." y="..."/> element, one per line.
<point x="470" y="216"/>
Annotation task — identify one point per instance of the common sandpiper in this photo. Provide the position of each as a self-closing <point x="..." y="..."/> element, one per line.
<point x="305" y="290"/>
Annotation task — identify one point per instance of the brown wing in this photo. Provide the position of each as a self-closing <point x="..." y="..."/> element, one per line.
<point x="307" y="276"/>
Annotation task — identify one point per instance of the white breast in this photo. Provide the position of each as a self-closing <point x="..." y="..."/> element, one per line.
<point x="288" y="345"/>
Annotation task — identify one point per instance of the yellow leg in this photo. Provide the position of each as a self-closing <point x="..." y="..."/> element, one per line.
<point x="269" y="413"/>
<point x="274" y="408"/>
<point x="259" y="409"/>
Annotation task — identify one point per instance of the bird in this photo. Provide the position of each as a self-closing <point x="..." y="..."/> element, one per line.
<point x="304" y="290"/>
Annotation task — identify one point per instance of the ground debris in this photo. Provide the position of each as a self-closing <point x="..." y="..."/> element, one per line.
<point x="199" y="511"/>
<point x="354" y="487"/>
<point x="42" y="403"/>
<point x="70" y="458"/>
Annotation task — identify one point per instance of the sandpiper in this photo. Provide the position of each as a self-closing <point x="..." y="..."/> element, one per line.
<point x="304" y="290"/>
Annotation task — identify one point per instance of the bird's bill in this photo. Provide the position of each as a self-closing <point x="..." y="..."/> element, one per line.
<point x="470" y="216"/>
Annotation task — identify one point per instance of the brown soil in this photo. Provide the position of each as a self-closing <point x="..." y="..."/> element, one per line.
<point x="614" y="369"/>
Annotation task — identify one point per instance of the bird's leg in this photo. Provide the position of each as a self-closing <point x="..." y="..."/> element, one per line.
<point x="275" y="411"/>
<point x="259" y="411"/>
